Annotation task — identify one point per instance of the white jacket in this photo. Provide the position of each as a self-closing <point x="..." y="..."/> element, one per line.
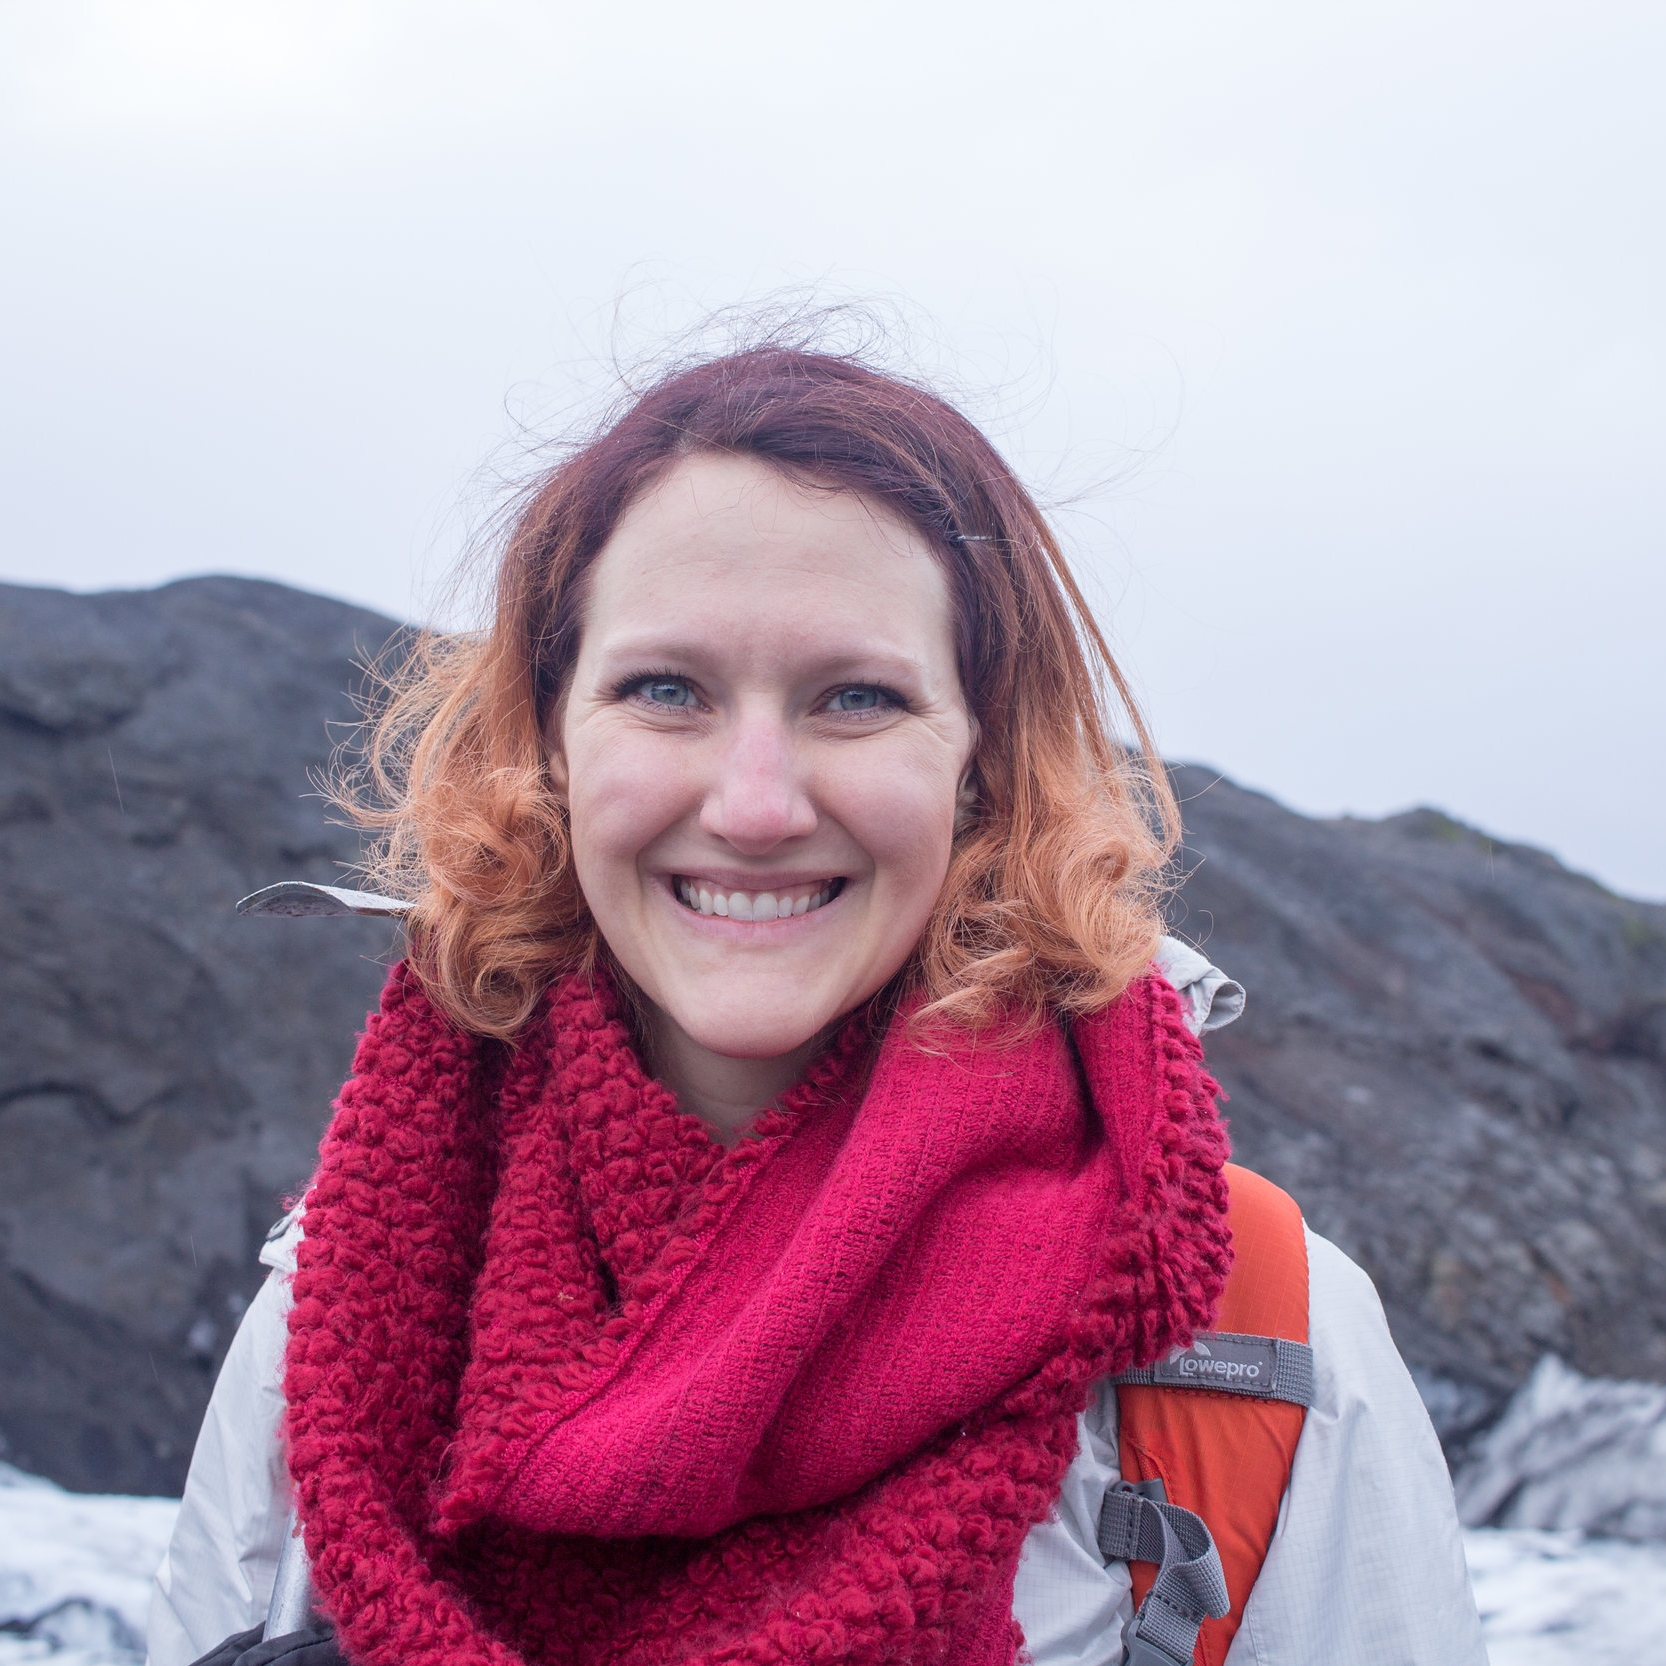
<point x="1366" y="1567"/>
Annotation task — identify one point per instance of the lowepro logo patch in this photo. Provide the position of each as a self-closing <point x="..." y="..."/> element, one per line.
<point x="1240" y="1364"/>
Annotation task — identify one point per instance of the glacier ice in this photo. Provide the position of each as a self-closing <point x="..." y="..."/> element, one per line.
<point x="1575" y="1453"/>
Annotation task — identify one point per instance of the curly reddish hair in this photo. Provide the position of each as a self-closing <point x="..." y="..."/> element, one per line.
<point x="1051" y="901"/>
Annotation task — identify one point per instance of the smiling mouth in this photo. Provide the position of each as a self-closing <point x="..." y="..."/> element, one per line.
<point x="701" y="897"/>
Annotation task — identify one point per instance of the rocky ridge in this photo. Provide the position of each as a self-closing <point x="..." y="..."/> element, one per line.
<point x="1454" y="1055"/>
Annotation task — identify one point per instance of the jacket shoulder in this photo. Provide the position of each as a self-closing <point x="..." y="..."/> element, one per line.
<point x="1210" y="999"/>
<point x="284" y="1239"/>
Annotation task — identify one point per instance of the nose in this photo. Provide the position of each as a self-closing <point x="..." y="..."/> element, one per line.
<point x="758" y="797"/>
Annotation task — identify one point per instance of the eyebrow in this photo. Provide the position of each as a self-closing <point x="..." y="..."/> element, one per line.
<point x="864" y="662"/>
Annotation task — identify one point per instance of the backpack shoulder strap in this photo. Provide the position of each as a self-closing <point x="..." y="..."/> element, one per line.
<point x="1217" y="1426"/>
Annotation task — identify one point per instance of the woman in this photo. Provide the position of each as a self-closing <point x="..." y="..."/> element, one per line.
<point x="782" y="1133"/>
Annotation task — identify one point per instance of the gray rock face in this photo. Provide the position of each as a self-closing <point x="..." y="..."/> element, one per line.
<point x="165" y="1068"/>
<point x="1454" y="1053"/>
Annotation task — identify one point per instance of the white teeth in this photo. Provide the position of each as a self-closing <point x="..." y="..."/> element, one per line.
<point x="747" y="905"/>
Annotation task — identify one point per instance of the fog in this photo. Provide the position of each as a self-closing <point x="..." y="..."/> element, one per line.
<point x="1334" y="333"/>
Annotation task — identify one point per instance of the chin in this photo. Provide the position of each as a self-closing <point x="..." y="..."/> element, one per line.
<point x="753" y="1035"/>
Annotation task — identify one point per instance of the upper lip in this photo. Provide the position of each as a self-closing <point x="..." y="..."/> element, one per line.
<point x="727" y="879"/>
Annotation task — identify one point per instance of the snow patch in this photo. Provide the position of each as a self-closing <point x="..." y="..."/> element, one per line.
<point x="75" y="1572"/>
<point x="1559" y="1599"/>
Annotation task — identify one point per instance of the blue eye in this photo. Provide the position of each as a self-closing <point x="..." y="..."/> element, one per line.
<point x="858" y="700"/>
<point x="666" y="691"/>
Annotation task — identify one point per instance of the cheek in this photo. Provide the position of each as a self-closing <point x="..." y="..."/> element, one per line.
<point x="620" y="797"/>
<point x="903" y="817"/>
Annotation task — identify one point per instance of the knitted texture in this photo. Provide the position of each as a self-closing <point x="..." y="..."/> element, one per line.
<point x="570" y="1384"/>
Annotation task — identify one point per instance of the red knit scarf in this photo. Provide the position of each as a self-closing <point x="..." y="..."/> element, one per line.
<point x="569" y="1383"/>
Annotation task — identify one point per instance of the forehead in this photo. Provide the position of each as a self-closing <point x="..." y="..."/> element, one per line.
<point x="724" y="539"/>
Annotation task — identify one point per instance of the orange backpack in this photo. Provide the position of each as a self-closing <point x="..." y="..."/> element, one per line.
<point x="1221" y="1447"/>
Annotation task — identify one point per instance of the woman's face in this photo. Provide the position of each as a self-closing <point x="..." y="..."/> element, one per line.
<point x="761" y="749"/>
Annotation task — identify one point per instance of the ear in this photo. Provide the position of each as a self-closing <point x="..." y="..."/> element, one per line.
<point x="555" y="760"/>
<point x="966" y="795"/>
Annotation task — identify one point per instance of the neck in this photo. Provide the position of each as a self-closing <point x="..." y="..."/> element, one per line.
<point x="726" y="1093"/>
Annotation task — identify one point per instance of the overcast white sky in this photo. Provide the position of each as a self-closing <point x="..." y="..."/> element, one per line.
<point x="1342" y="323"/>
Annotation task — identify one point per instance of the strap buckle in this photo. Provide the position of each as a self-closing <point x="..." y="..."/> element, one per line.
<point x="1144" y="1651"/>
<point x="1138" y="1524"/>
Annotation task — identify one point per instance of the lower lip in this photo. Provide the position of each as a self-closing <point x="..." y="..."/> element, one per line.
<point x="751" y="930"/>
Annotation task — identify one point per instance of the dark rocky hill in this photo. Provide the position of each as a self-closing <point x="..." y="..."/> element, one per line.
<point x="164" y="1066"/>
<point x="1454" y="1054"/>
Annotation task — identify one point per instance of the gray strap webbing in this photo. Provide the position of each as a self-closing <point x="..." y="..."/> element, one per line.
<point x="1261" y="1367"/>
<point x="1138" y="1524"/>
